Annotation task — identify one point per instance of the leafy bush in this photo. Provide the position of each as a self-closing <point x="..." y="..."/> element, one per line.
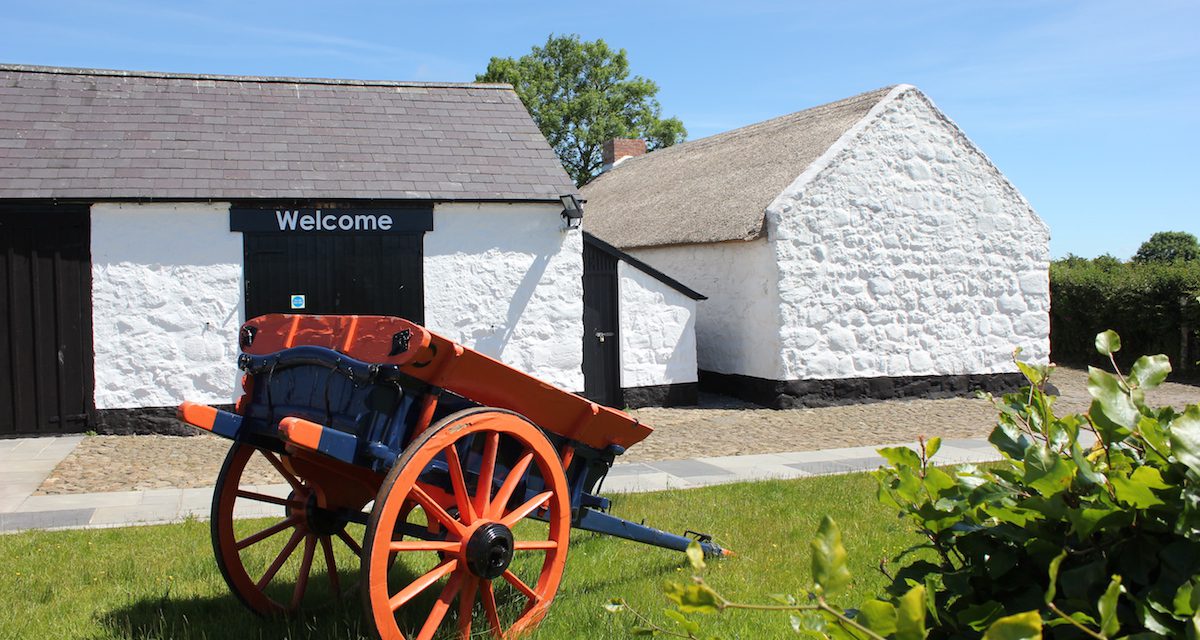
<point x="1089" y="527"/>
<point x="1149" y="305"/>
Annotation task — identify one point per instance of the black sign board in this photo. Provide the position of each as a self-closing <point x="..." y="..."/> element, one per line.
<point x="293" y="221"/>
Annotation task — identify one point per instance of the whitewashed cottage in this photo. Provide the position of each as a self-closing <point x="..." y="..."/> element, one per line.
<point x="858" y="250"/>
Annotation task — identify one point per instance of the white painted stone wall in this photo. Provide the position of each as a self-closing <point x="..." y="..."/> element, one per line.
<point x="657" y="326"/>
<point x="906" y="252"/>
<point x="737" y="327"/>
<point x="166" y="304"/>
<point x="507" y="280"/>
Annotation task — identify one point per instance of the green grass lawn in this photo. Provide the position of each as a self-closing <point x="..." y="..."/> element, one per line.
<point x="162" y="581"/>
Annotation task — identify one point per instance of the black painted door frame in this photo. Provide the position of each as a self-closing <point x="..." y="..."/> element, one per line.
<point x="47" y="373"/>
<point x="601" y="332"/>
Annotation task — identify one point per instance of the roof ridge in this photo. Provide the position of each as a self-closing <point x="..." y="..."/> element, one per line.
<point x="78" y="71"/>
<point x="786" y="118"/>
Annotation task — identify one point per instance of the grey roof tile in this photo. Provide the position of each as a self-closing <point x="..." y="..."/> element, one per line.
<point x="108" y="134"/>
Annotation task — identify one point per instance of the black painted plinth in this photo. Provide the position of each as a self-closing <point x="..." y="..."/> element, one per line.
<point x="790" y="394"/>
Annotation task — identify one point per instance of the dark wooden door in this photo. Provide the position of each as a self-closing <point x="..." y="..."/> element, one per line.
<point x="46" y="373"/>
<point x="336" y="274"/>
<point x="601" y="345"/>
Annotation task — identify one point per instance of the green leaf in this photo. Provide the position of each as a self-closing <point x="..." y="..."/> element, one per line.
<point x="1108" y="342"/>
<point x="1086" y="471"/>
<point x="980" y="616"/>
<point x="1107" y="605"/>
<point x="1009" y="441"/>
<point x="910" y="615"/>
<point x="614" y="605"/>
<point x="932" y="446"/>
<point x="1150" y="371"/>
<point x="1045" y="470"/>
<point x="829" y="558"/>
<point x="642" y="631"/>
<point x="901" y="456"/>
<point x="1034" y="374"/>
<point x="1052" y="590"/>
<point x="697" y="598"/>
<point x="1112" y="408"/>
<point x="808" y="624"/>
<point x="1022" y="626"/>
<point x="689" y="625"/>
<point x="1185" y="438"/>
<point x="1135" y="490"/>
<point x="878" y="616"/>
<point x="1182" y="602"/>
<point x="695" y="555"/>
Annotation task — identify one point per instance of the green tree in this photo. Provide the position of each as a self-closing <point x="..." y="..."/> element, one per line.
<point x="1168" y="246"/>
<point x="580" y="94"/>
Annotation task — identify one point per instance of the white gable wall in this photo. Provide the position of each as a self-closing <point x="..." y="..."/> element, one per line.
<point x="737" y="327"/>
<point x="657" y="329"/>
<point x="908" y="254"/>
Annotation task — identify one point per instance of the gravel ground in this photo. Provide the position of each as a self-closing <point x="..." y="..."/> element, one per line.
<point x="718" y="427"/>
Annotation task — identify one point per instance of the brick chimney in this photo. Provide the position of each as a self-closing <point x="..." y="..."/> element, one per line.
<point x="618" y="149"/>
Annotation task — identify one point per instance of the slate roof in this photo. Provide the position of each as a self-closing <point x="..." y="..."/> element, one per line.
<point x="715" y="189"/>
<point x="96" y="134"/>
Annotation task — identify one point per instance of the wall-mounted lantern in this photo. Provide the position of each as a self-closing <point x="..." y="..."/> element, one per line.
<point x="572" y="213"/>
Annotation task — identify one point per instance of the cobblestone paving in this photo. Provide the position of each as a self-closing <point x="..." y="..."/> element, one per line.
<point x="719" y="427"/>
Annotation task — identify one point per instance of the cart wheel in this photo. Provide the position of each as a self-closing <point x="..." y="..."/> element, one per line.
<point x="476" y="476"/>
<point x="253" y="565"/>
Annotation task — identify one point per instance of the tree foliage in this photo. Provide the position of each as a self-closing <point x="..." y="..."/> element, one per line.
<point x="580" y="94"/>
<point x="1168" y="246"/>
<point x="1152" y="305"/>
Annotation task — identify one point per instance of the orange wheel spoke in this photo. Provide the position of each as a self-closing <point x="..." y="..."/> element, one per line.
<point x="438" y="612"/>
<point x="466" y="606"/>
<point x="426" y="545"/>
<point x="435" y="510"/>
<point x="287" y="475"/>
<point x="422" y="583"/>
<point x="466" y="510"/>
<point x="279" y="560"/>
<point x="534" y="545"/>
<point x="262" y="497"/>
<point x="489" y="608"/>
<point x="350" y="542"/>
<point x="510" y="485"/>
<point x="310" y="546"/>
<point x="487" y="470"/>
<point x="330" y="563"/>
<point x="268" y="532"/>
<point x="520" y="512"/>
<point x="521" y="586"/>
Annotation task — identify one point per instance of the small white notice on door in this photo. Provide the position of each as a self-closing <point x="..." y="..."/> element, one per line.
<point x="297" y="301"/>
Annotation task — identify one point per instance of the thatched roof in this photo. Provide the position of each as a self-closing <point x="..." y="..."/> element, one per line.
<point x="715" y="189"/>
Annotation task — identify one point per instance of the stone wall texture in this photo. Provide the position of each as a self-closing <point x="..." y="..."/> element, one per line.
<point x="166" y="304"/>
<point x="908" y="254"/>
<point x="507" y="280"/>
<point x="657" y="327"/>
<point x="737" y="327"/>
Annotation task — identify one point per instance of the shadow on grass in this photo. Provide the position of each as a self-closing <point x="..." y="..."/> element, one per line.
<point x="225" y="617"/>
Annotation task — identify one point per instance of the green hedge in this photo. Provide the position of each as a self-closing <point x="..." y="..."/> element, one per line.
<point x="1149" y="305"/>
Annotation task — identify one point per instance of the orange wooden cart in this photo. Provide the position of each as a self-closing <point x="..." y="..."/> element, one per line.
<point x="450" y="459"/>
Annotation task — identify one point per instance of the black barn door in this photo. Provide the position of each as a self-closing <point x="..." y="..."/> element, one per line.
<point x="46" y="374"/>
<point x="336" y="274"/>
<point x="601" y="346"/>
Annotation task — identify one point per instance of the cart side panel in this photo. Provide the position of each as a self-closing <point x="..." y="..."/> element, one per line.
<point x="443" y="363"/>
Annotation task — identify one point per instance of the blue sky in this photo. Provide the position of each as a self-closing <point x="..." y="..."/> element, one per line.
<point x="1089" y="107"/>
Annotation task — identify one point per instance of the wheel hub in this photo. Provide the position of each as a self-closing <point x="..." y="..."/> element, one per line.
<point x="322" y="522"/>
<point x="490" y="550"/>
